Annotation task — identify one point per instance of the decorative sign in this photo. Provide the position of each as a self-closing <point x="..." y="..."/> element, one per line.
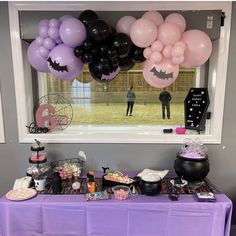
<point x="195" y="106"/>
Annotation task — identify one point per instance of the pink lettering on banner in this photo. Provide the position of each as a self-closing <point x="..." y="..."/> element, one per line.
<point x="44" y="117"/>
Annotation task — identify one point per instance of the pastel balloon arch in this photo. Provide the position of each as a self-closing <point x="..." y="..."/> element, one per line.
<point x="64" y="45"/>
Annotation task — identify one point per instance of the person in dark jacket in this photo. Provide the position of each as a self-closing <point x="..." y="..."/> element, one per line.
<point x="165" y="99"/>
<point x="130" y="101"/>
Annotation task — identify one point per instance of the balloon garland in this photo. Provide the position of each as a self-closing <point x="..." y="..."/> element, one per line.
<point x="64" y="45"/>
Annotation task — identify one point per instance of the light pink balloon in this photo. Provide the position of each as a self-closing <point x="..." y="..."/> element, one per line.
<point x="160" y="75"/>
<point x="153" y="16"/>
<point x="177" y="19"/>
<point x="167" y="51"/>
<point x="198" y="48"/>
<point x="157" y="46"/>
<point x="156" y="57"/>
<point x="168" y="33"/>
<point x="124" y="24"/>
<point x="177" y="60"/>
<point x="181" y="44"/>
<point x="177" y="51"/>
<point x="147" y="52"/>
<point x="143" y="33"/>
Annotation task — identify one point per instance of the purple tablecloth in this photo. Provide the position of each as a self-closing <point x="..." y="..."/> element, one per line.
<point x="68" y="215"/>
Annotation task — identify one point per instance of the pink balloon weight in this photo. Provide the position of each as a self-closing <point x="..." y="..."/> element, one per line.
<point x="198" y="48"/>
<point x="147" y="52"/>
<point x="177" y="19"/>
<point x="168" y="33"/>
<point x="124" y="24"/>
<point x="167" y="51"/>
<point x="35" y="59"/>
<point x="143" y="33"/>
<point x="157" y="46"/>
<point x="153" y="16"/>
<point x="160" y="75"/>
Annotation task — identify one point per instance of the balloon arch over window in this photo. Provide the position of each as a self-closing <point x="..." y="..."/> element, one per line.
<point x="64" y="45"/>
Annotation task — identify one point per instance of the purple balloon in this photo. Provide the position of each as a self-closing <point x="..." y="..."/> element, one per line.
<point x="54" y="23"/>
<point x="65" y="17"/>
<point x="72" y="32"/>
<point x="43" y="22"/>
<point x="63" y="63"/>
<point x="43" y="51"/>
<point x="58" y="41"/>
<point x="35" y="59"/>
<point x="49" y="43"/>
<point x="43" y="31"/>
<point x="39" y="41"/>
<point x="53" y="32"/>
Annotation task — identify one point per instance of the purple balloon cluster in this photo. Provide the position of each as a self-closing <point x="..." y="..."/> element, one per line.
<point x="52" y="50"/>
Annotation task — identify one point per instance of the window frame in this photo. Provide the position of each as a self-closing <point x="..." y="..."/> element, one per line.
<point x="119" y="134"/>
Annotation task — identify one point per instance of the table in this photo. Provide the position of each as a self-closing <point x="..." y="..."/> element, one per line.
<point x="70" y="215"/>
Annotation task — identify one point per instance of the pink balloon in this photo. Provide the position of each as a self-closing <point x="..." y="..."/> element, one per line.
<point x="124" y="24"/>
<point x="167" y="51"/>
<point x="147" y="52"/>
<point x="198" y="48"/>
<point x="160" y="75"/>
<point x="168" y="33"/>
<point x="177" y="51"/>
<point x="153" y="16"/>
<point x="156" y="57"/>
<point x="157" y="46"/>
<point x="177" y="60"/>
<point x="181" y="44"/>
<point x="143" y="33"/>
<point x="178" y="20"/>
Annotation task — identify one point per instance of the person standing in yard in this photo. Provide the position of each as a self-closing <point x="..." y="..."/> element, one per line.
<point x="130" y="101"/>
<point x="165" y="99"/>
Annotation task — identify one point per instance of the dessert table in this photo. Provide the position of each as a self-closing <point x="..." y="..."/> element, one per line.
<point x="139" y="215"/>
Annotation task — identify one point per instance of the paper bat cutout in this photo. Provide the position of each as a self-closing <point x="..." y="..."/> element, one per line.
<point x="161" y="74"/>
<point x="56" y="66"/>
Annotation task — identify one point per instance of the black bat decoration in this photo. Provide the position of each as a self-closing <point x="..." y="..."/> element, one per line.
<point x="161" y="74"/>
<point x="56" y="66"/>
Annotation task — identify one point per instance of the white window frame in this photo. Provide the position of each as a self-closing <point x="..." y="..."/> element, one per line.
<point x="2" y="134"/>
<point x="120" y="134"/>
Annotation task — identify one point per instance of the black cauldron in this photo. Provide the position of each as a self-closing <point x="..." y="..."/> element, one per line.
<point x="150" y="188"/>
<point x="192" y="170"/>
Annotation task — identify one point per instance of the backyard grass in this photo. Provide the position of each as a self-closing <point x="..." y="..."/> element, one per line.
<point x="115" y="114"/>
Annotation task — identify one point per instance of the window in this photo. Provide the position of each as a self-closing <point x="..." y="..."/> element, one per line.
<point x="83" y="93"/>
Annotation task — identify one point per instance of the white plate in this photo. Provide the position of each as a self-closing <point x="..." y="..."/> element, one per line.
<point x="184" y="182"/>
<point x="21" y="194"/>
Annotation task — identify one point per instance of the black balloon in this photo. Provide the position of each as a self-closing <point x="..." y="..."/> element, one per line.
<point x="126" y="63"/>
<point x="123" y="44"/>
<point x="78" y="51"/>
<point x="87" y="44"/>
<point x="88" y="16"/>
<point x="111" y="53"/>
<point x="114" y="62"/>
<point x="87" y="57"/>
<point x="103" y="49"/>
<point x="136" y="54"/>
<point x="98" y="30"/>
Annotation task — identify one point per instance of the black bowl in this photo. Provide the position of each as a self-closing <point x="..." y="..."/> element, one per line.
<point x="150" y="188"/>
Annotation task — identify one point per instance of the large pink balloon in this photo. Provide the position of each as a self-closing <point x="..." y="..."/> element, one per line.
<point x="35" y="59"/>
<point x="153" y="16"/>
<point x="178" y="20"/>
<point x="124" y="24"/>
<point x="168" y="33"/>
<point x="198" y="48"/>
<point x="143" y="33"/>
<point x="160" y="75"/>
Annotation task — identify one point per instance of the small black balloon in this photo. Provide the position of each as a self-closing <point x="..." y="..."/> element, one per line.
<point x="111" y="53"/>
<point x="88" y="16"/>
<point x="87" y="58"/>
<point x="103" y="49"/>
<point x="114" y="62"/>
<point x="123" y="44"/>
<point x="78" y="51"/>
<point x="98" y="30"/>
<point x="104" y="61"/>
<point x="136" y="54"/>
<point x="87" y="44"/>
<point x="126" y="63"/>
